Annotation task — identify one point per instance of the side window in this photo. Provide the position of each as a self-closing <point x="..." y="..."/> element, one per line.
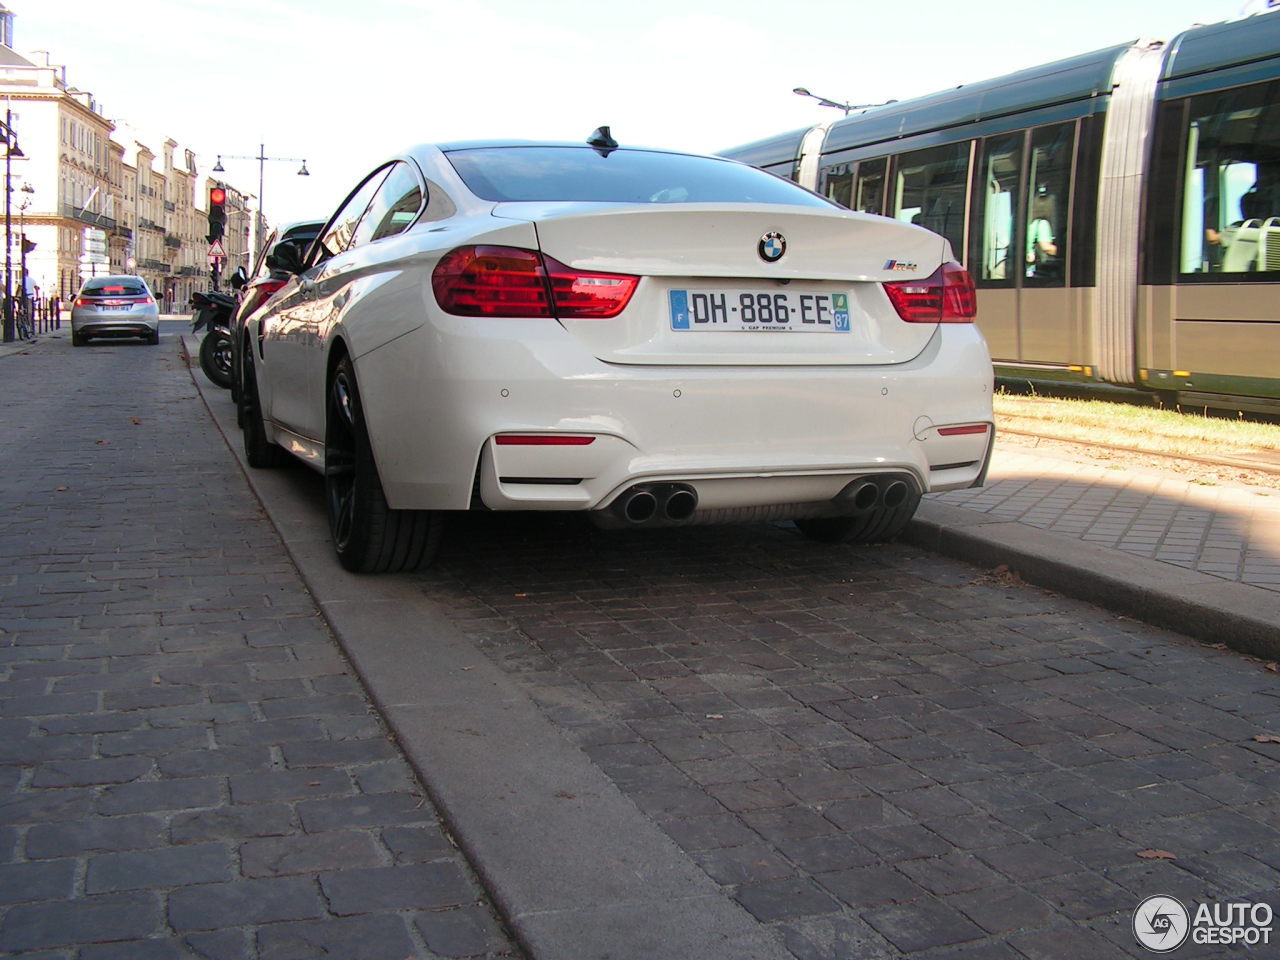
<point x="837" y="184"/>
<point x="868" y="195"/>
<point x="394" y="208"/>
<point x="340" y="230"/>
<point x="1048" y="204"/>
<point x="997" y="208"/>
<point x="931" y="190"/>
<point x="1231" y="192"/>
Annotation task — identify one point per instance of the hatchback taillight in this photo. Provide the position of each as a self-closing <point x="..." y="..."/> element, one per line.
<point x="947" y="296"/>
<point x="260" y="294"/>
<point x="488" y="281"/>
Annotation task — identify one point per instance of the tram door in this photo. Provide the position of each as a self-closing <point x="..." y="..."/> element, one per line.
<point x="1020" y="241"/>
<point x="1210" y="303"/>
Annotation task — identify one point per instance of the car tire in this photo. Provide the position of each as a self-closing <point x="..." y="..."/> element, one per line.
<point x="215" y="359"/>
<point x="880" y="524"/>
<point x="153" y="338"/>
<point x="368" y="535"/>
<point x="258" y="450"/>
<point x="78" y="339"/>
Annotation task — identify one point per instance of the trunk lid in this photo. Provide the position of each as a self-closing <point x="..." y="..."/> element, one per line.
<point x="709" y="296"/>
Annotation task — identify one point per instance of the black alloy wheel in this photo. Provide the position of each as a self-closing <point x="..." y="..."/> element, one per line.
<point x="368" y="535"/>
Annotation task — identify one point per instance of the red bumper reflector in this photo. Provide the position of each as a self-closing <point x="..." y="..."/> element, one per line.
<point x="540" y="440"/>
<point x="959" y="431"/>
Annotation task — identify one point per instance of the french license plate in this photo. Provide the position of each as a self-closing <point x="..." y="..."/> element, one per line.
<point x="749" y="310"/>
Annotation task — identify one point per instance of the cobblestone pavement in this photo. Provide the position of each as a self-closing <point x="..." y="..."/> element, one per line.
<point x="189" y="766"/>
<point x="1229" y="531"/>
<point x="880" y="752"/>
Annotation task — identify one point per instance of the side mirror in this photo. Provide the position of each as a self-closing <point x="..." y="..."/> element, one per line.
<point x="239" y="279"/>
<point x="286" y="256"/>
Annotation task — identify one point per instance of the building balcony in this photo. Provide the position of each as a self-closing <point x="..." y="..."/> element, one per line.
<point x="71" y="211"/>
<point x="146" y="224"/>
<point x="170" y="206"/>
<point x="172" y="241"/>
<point x="190" y="271"/>
<point x="157" y="265"/>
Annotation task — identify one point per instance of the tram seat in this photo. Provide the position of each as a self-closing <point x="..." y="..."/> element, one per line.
<point x="1269" y="254"/>
<point x="1240" y="243"/>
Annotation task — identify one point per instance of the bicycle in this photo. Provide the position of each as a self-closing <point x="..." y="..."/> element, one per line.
<point x="24" y="328"/>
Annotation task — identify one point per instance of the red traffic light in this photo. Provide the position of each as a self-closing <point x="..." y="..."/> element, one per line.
<point x="217" y="196"/>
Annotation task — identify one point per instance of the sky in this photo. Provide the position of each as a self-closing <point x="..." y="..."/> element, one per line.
<point x="344" y="85"/>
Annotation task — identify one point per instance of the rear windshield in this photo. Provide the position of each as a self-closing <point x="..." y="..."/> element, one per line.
<point x="513" y="174"/>
<point x="114" y="288"/>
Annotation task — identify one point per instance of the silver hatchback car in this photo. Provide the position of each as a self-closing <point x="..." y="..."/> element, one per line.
<point x="117" y="306"/>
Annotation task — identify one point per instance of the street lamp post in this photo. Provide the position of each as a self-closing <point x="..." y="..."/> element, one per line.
<point x="838" y="104"/>
<point x="11" y="150"/>
<point x="262" y="158"/>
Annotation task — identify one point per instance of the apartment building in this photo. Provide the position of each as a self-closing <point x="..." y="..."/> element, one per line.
<point x="98" y="195"/>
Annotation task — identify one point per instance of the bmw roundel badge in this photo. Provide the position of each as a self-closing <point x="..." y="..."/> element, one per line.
<point x="772" y="246"/>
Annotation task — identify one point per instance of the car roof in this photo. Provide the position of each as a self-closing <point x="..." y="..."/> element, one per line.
<point x="578" y="144"/>
<point x="114" y="278"/>
<point x="301" y="226"/>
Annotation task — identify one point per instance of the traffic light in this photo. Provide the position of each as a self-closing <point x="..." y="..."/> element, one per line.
<point x="217" y="213"/>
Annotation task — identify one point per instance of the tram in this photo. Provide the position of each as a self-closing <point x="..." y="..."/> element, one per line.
<point x="1119" y="211"/>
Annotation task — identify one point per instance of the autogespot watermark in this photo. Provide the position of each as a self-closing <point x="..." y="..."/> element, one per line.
<point x="1162" y="924"/>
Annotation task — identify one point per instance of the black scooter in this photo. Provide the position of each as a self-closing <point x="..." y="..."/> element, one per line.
<point x="213" y="315"/>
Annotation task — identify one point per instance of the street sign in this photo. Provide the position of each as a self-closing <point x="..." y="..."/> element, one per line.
<point x="216" y="259"/>
<point x="216" y="250"/>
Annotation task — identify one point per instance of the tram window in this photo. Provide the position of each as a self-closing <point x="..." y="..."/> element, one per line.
<point x="1001" y="169"/>
<point x="838" y="184"/>
<point x="930" y="190"/>
<point x="1048" y="196"/>
<point x="870" y="186"/>
<point x="1231" y="191"/>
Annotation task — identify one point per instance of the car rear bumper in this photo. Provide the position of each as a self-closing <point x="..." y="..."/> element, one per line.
<point x="108" y="326"/>
<point x="744" y="437"/>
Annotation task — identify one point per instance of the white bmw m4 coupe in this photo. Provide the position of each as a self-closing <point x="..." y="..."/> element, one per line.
<point x="647" y="336"/>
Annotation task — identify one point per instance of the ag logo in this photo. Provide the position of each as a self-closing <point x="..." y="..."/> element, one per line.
<point x="1161" y="924"/>
<point x="772" y="247"/>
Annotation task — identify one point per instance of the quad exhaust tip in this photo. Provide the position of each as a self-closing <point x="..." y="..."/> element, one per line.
<point x="867" y="493"/>
<point x="668" y="502"/>
<point x="672" y="504"/>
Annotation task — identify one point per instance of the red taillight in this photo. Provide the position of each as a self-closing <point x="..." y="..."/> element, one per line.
<point x="962" y="431"/>
<point x="486" y="281"/>
<point x="948" y="296"/>
<point x="82" y="301"/>
<point x="260" y="294"/>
